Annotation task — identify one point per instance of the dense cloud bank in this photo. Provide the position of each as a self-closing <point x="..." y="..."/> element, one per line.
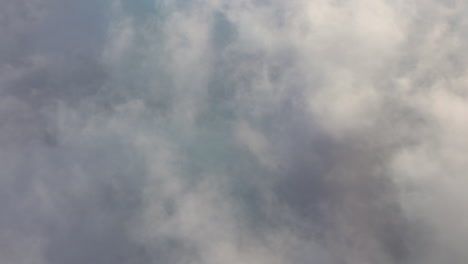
<point x="249" y="131"/>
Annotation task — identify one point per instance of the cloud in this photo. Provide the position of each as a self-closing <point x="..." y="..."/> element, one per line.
<point x="215" y="131"/>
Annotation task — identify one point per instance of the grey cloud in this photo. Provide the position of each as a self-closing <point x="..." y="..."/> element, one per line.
<point x="232" y="132"/>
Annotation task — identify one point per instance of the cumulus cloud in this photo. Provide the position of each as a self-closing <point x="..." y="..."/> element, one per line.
<point x="213" y="131"/>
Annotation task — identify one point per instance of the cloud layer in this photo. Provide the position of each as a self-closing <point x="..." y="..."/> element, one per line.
<point x="211" y="131"/>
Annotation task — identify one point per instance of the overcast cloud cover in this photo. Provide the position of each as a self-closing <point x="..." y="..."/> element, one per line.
<point x="229" y="132"/>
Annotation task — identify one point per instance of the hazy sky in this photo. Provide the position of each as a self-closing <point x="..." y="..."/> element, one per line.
<point x="233" y="131"/>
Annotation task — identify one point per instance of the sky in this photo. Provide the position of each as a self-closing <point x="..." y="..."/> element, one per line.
<point x="233" y="132"/>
